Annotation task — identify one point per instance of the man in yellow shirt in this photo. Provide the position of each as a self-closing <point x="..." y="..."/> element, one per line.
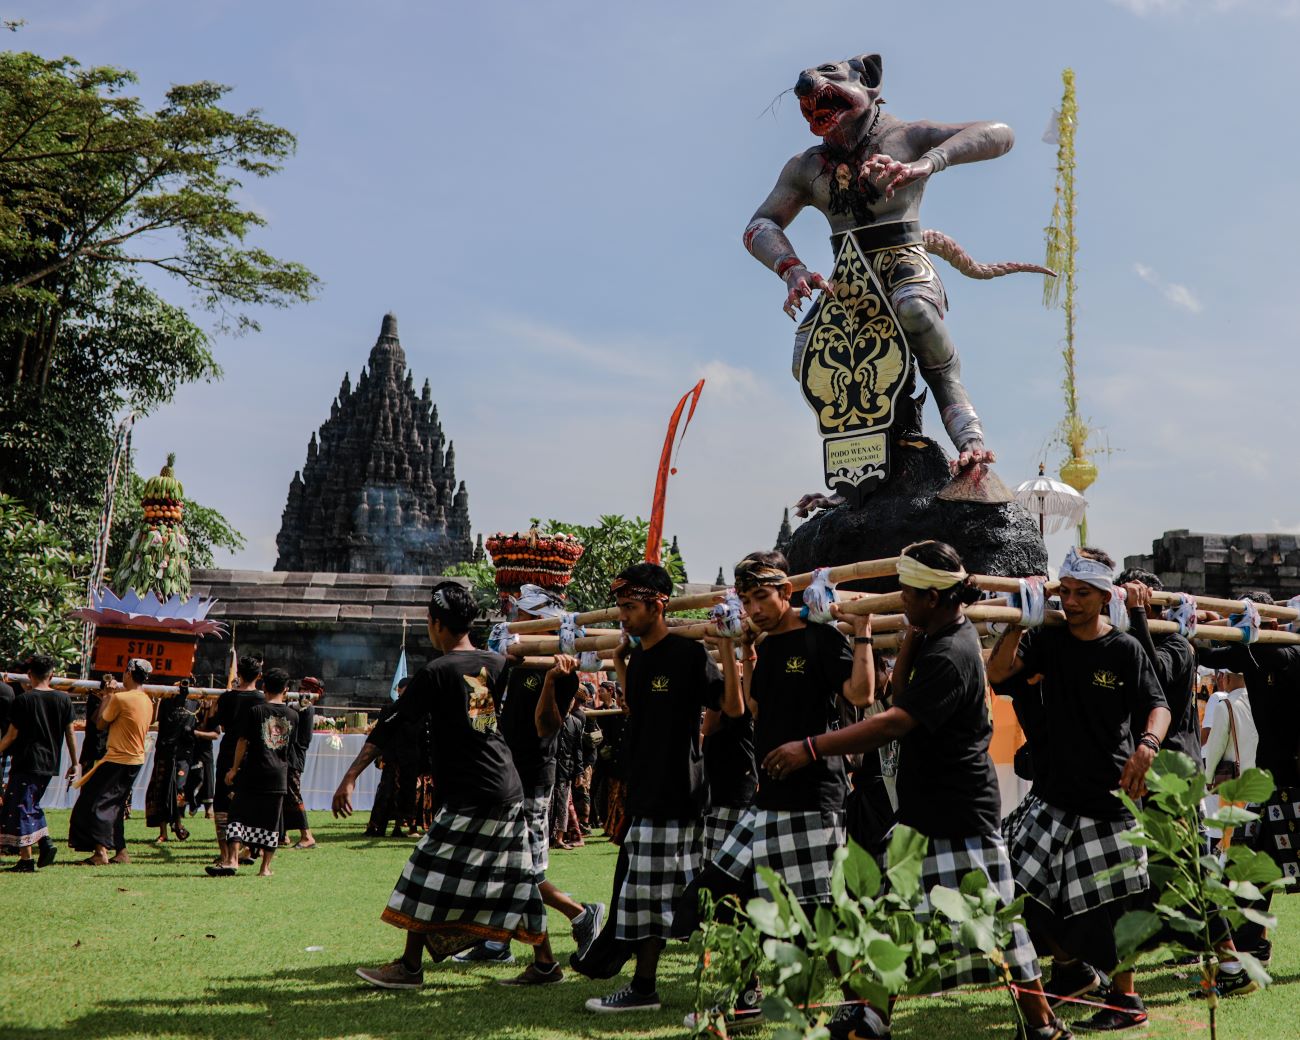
<point x="97" y="818"/>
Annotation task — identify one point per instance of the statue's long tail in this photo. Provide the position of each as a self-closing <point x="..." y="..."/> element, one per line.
<point x="941" y="245"/>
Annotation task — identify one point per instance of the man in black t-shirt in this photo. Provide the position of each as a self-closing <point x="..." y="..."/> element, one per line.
<point x="732" y="775"/>
<point x="165" y="791"/>
<point x="232" y="709"/>
<point x="794" y="684"/>
<point x="947" y="784"/>
<point x="310" y="690"/>
<point x="259" y="777"/>
<point x="1272" y="677"/>
<point x="471" y="876"/>
<point x="669" y="681"/>
<point x="6" y="706"/>
<point x="1104" y="717"/>
<point x="532" y="709"/>
<point x="38" y="721"/>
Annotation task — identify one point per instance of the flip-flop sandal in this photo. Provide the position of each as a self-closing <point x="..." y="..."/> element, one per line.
<point x="92" y="862"/>
<point x="181" y="833"/>
<point x="220" y="871"/>
<point x="300" y="845"/>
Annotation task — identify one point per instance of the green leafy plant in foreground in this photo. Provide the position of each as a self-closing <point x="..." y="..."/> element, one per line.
<point x="1198" y="891"/>
<point x="874" y="939"/>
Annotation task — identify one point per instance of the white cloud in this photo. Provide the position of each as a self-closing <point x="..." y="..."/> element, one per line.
<point x="729" y="382"/>
<point x="1179" y="295"/>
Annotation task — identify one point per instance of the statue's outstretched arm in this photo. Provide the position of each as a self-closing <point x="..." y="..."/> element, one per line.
<point x="766" y="240"/>
<point x="941" y="145"/>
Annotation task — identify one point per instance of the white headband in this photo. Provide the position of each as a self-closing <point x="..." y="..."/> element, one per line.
<point x="917" y="575"/>
<point x="1091" y="572"/>
<point x="535" y="600"/>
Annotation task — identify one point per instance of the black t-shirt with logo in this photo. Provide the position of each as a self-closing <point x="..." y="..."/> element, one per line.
<point x="233" y="707"/>
<point x="668" y="687"/>
<point x="796" y="684"/>
<point x="460" y="695"/>
<point x="1091" y="693"/>
<point x="268" y="729"/>
<point x="729" y="762"/>
<point x="42" y="718"/>
<point x="534" y="756"/>
<point x="947" y="784"/>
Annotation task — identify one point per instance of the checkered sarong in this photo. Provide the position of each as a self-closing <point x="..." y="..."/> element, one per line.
<point x="1277" y="832"/>
<point x="1058" y="858"/>
<point x="946" y="863"/>
<point x="471" y="874"/>
<point x="537" y="811"/>
<point x="798" y="846"/>
<point x="254" y="837"/>
<point x="663" y="857"/>
<point x="717" y="826"/>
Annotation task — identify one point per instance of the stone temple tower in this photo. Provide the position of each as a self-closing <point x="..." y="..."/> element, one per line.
<point x="378" y="494"/>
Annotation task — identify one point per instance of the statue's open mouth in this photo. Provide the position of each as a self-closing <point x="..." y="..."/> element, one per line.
<point x="824" y="107"/>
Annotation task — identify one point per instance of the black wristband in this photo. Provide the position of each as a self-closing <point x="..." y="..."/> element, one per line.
<point x="862" y="641"/>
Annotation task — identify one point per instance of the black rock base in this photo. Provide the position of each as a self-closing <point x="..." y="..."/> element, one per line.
<point x="992" y="539"/>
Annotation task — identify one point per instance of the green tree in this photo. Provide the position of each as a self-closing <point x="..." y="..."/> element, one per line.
<point x="612" y="544"/>
<point x="94" y="187"/>
<point x="482" y="578"/>
<point x="44" y="581"/>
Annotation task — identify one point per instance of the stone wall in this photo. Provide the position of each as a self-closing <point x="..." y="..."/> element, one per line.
<point x="1223" y="565"/>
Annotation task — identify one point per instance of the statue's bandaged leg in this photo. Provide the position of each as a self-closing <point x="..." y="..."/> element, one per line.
<point x="917" y="295"/>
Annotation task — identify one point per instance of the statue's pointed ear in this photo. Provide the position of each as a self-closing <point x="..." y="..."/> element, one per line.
<point x="871" y="69"/>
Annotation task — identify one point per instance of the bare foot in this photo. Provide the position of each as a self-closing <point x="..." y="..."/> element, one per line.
<point x="122" y="857"/>
<point x="973" y="454"/>
<point x="266" y="873"/>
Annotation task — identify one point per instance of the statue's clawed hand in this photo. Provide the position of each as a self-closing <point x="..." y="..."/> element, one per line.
<point x="801" y="282"/>
<point x="888" y="174"/>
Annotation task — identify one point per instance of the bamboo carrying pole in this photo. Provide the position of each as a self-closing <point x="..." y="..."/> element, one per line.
<point x="95" y="686"/>
<point x="702" y="601"/>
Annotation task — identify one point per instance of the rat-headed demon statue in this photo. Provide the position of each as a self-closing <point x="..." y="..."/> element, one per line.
<point x="868" y="176"/>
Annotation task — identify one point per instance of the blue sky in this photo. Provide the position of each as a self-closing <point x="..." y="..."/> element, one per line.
<point x="550" y="196"/>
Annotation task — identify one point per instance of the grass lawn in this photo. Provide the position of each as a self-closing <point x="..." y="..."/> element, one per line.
<point x="158" y="949"/>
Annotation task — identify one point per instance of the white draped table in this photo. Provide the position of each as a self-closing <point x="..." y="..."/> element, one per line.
<point x="328" y="759"/>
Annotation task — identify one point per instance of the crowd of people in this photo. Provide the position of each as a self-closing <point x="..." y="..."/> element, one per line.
<point x="253" y="789"/>
<point x="707" y="761"/>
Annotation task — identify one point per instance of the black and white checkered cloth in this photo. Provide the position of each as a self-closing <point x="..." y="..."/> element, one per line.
<point x="718" y="825"/>
<point x="254" y="837"/>
<point x="798" y="846"/>
<point x="537" y="814"/>
<point x="472" y="871"/>
<point x="663" y="857"/>
<point x="946" y="863"/>
<point x="1065" y="861"/>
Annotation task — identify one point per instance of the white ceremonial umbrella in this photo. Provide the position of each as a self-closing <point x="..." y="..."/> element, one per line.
<point x="1050" y="498"/>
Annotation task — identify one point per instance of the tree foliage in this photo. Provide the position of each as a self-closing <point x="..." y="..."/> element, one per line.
<point x="44" y="580"/>
<point x="96" y="190"/>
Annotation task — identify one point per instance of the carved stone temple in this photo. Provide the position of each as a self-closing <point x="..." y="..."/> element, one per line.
<point x="378" y="493"/>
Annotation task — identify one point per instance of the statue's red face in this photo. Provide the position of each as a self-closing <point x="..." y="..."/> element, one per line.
<point x="831" y="95"/>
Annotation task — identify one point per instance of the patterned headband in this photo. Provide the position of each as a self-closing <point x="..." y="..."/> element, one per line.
<point x="624" y="589"/>
<point x="750" y="574"/>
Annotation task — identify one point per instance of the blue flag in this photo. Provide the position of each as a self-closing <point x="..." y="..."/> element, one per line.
<point x="398" y="675"/>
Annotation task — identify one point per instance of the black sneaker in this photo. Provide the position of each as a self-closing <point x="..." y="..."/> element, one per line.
<point x="1124" y="1011"/>
<point x="1053" y="1030"/>
<point x="483" y="954"/>
<point x="46" y="855"/>
<point x="1263" y="952"/>
<point x="857" y="1022"/>
<point x="1230" y="984"/>
<point x="747" y="1013"/>
<point x="1067" y="981"/>
<point x="587" y="927"/>
<point x="23" y="866"/>
<point x="625" y="999"/>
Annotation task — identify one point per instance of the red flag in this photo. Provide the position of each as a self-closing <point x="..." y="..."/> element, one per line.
<point x="654" y="540"/>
